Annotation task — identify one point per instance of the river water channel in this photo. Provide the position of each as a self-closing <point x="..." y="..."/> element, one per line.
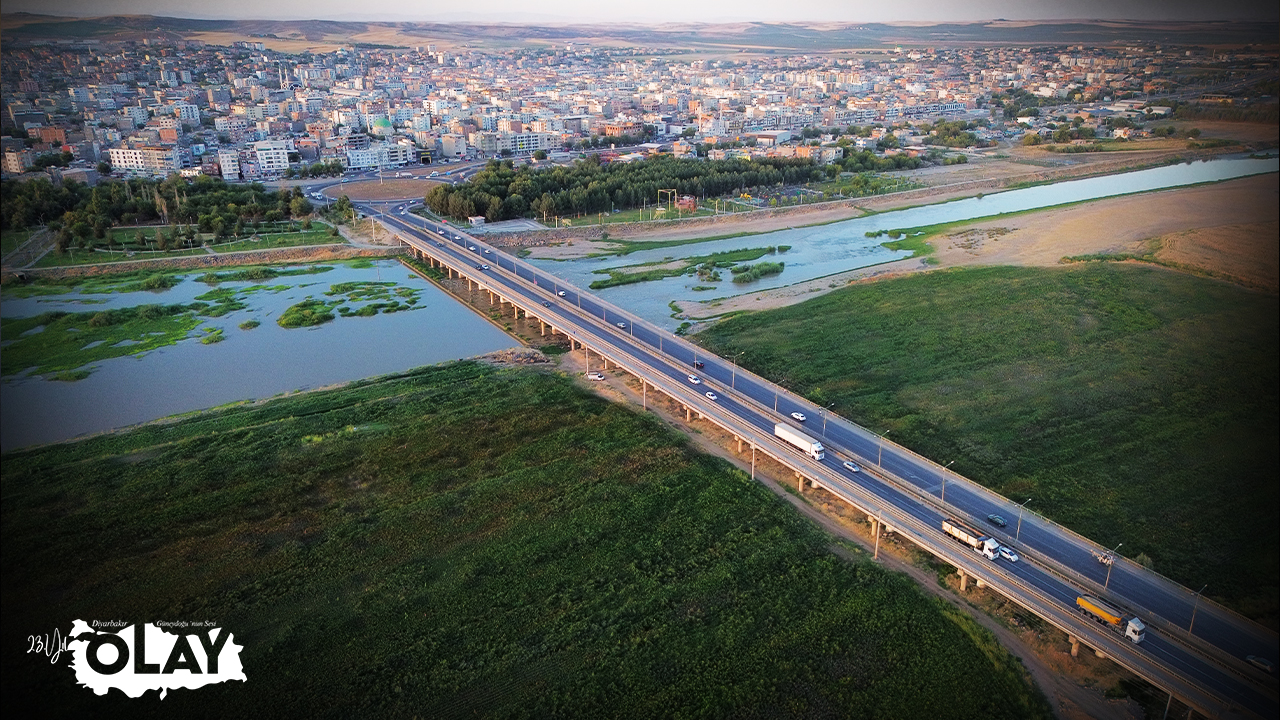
<point x="829" y="249"/>
<point x="257" y="363"/>
<point x="270" y="360"/>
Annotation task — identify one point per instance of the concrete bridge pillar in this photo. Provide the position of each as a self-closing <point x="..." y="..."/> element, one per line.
<point x="1075" y="645"/>
<point x="688" y="414"/>
<point x="981" y="584"/>
<point x="800" y="482"/>
<point x="964" y="581"/>
<point x="468" y="284"/>
<point x="544" y="328"/>
<point x="1100" y="654"/>
<point x="491" y="297"/>
<point x="735" y="437"/>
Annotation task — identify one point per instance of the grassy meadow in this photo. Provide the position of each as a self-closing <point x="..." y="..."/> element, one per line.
<point x="1132" y="404"/>
<point x="462" y="541"/>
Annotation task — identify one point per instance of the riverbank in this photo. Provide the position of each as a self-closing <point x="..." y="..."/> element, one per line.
<point x="982" y="176"/>
<point x="301" y="254"/>
<point x="83" y="353"/>
<point x="1188" y="226"/>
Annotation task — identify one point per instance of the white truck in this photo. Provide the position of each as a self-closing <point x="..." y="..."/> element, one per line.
<point x="806" y="444"/>
<point x="987" y="547"/>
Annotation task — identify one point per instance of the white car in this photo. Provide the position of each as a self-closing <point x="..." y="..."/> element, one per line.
<point x="595" y="375"/>
<point x="484" y="267"/>
<point x="561" y="293"/>
<point x="1261" y="663"/>
<point x="711" y="396"/>
<point x="799" y="416"/>
<point x="487" y="251"/>
<point x="850" y="466"/>
<point x="473" y="248"/>
<point x="1008" y="554"/>
<point x="695" y="379"/>
<point x="621" y="325"/>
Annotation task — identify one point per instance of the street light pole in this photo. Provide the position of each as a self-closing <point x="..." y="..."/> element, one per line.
<point x="733" y="379"/>
<point x="825" y="411"/>
<point x="1110" y="565"/>
<point x="1018" y="534"/>
<point x="1194" y="609"/>
<point x="880" y="451"/>
<point x="944" y="483"/>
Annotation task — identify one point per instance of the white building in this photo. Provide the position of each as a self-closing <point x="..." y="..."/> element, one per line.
<point x="273" y="156"/>
<point x="138" y="114"/>
<point x="187" y="112"/>
<point x="229" y="161"/>
<point x="380" y="155"/>
<point x="145" y="160"/>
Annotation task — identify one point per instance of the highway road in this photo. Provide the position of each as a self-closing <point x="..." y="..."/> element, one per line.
<point x="1057" y="563"/>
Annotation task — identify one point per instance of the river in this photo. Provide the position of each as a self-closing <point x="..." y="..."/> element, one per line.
<point x="258" y="363"/>
<point x="829" y="249"/>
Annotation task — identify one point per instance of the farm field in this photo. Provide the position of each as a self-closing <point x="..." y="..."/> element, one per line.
<point x="468" y="541"/>
<point x="1133" y="404"/>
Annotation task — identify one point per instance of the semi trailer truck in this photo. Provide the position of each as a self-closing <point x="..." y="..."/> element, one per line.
<point x="987" y="547"/>
<point x="804" y="443"/>
<point x="1118" y="620"/>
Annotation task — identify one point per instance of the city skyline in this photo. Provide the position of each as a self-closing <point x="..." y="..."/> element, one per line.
<point x="666" y="11"/>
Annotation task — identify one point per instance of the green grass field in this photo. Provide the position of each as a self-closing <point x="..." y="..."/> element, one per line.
<point x="10" y="240"/>
<point x="1132" y="404"/>
<point x="467" y="542"/>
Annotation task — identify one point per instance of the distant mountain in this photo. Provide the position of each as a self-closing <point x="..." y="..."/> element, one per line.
<point x="813" y="37"/>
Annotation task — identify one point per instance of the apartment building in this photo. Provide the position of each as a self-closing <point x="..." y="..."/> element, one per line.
<point x="272" y="156"/>
<point x="145" y="160"/>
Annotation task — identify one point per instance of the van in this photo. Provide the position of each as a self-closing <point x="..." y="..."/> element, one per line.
<point x="593" y="375"/>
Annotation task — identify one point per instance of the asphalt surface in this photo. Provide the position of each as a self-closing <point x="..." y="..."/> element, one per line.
<point x="1056" y="562"/>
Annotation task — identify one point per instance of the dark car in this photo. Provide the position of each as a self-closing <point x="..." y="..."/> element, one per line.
<point x="997" y="520"/>
<point x="699" y="364"/>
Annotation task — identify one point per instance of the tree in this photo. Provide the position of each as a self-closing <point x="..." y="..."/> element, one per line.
<point x="300" y="206"/>
<point x="104" y="168"/>
<point x="539" y="154"/>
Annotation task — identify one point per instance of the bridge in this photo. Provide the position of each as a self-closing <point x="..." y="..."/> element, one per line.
<point x="1194" y="649"/>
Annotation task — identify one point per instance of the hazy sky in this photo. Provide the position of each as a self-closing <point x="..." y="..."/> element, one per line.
<point x="663" y="11"/>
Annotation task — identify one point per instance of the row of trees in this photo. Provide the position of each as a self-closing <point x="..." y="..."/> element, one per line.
<point x="175" y="200"/>
<point x="501" y="192"/>
<point x="330" y="168"/>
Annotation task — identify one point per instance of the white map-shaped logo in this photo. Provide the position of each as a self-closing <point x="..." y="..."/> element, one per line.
<point x="144" y="657"/>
